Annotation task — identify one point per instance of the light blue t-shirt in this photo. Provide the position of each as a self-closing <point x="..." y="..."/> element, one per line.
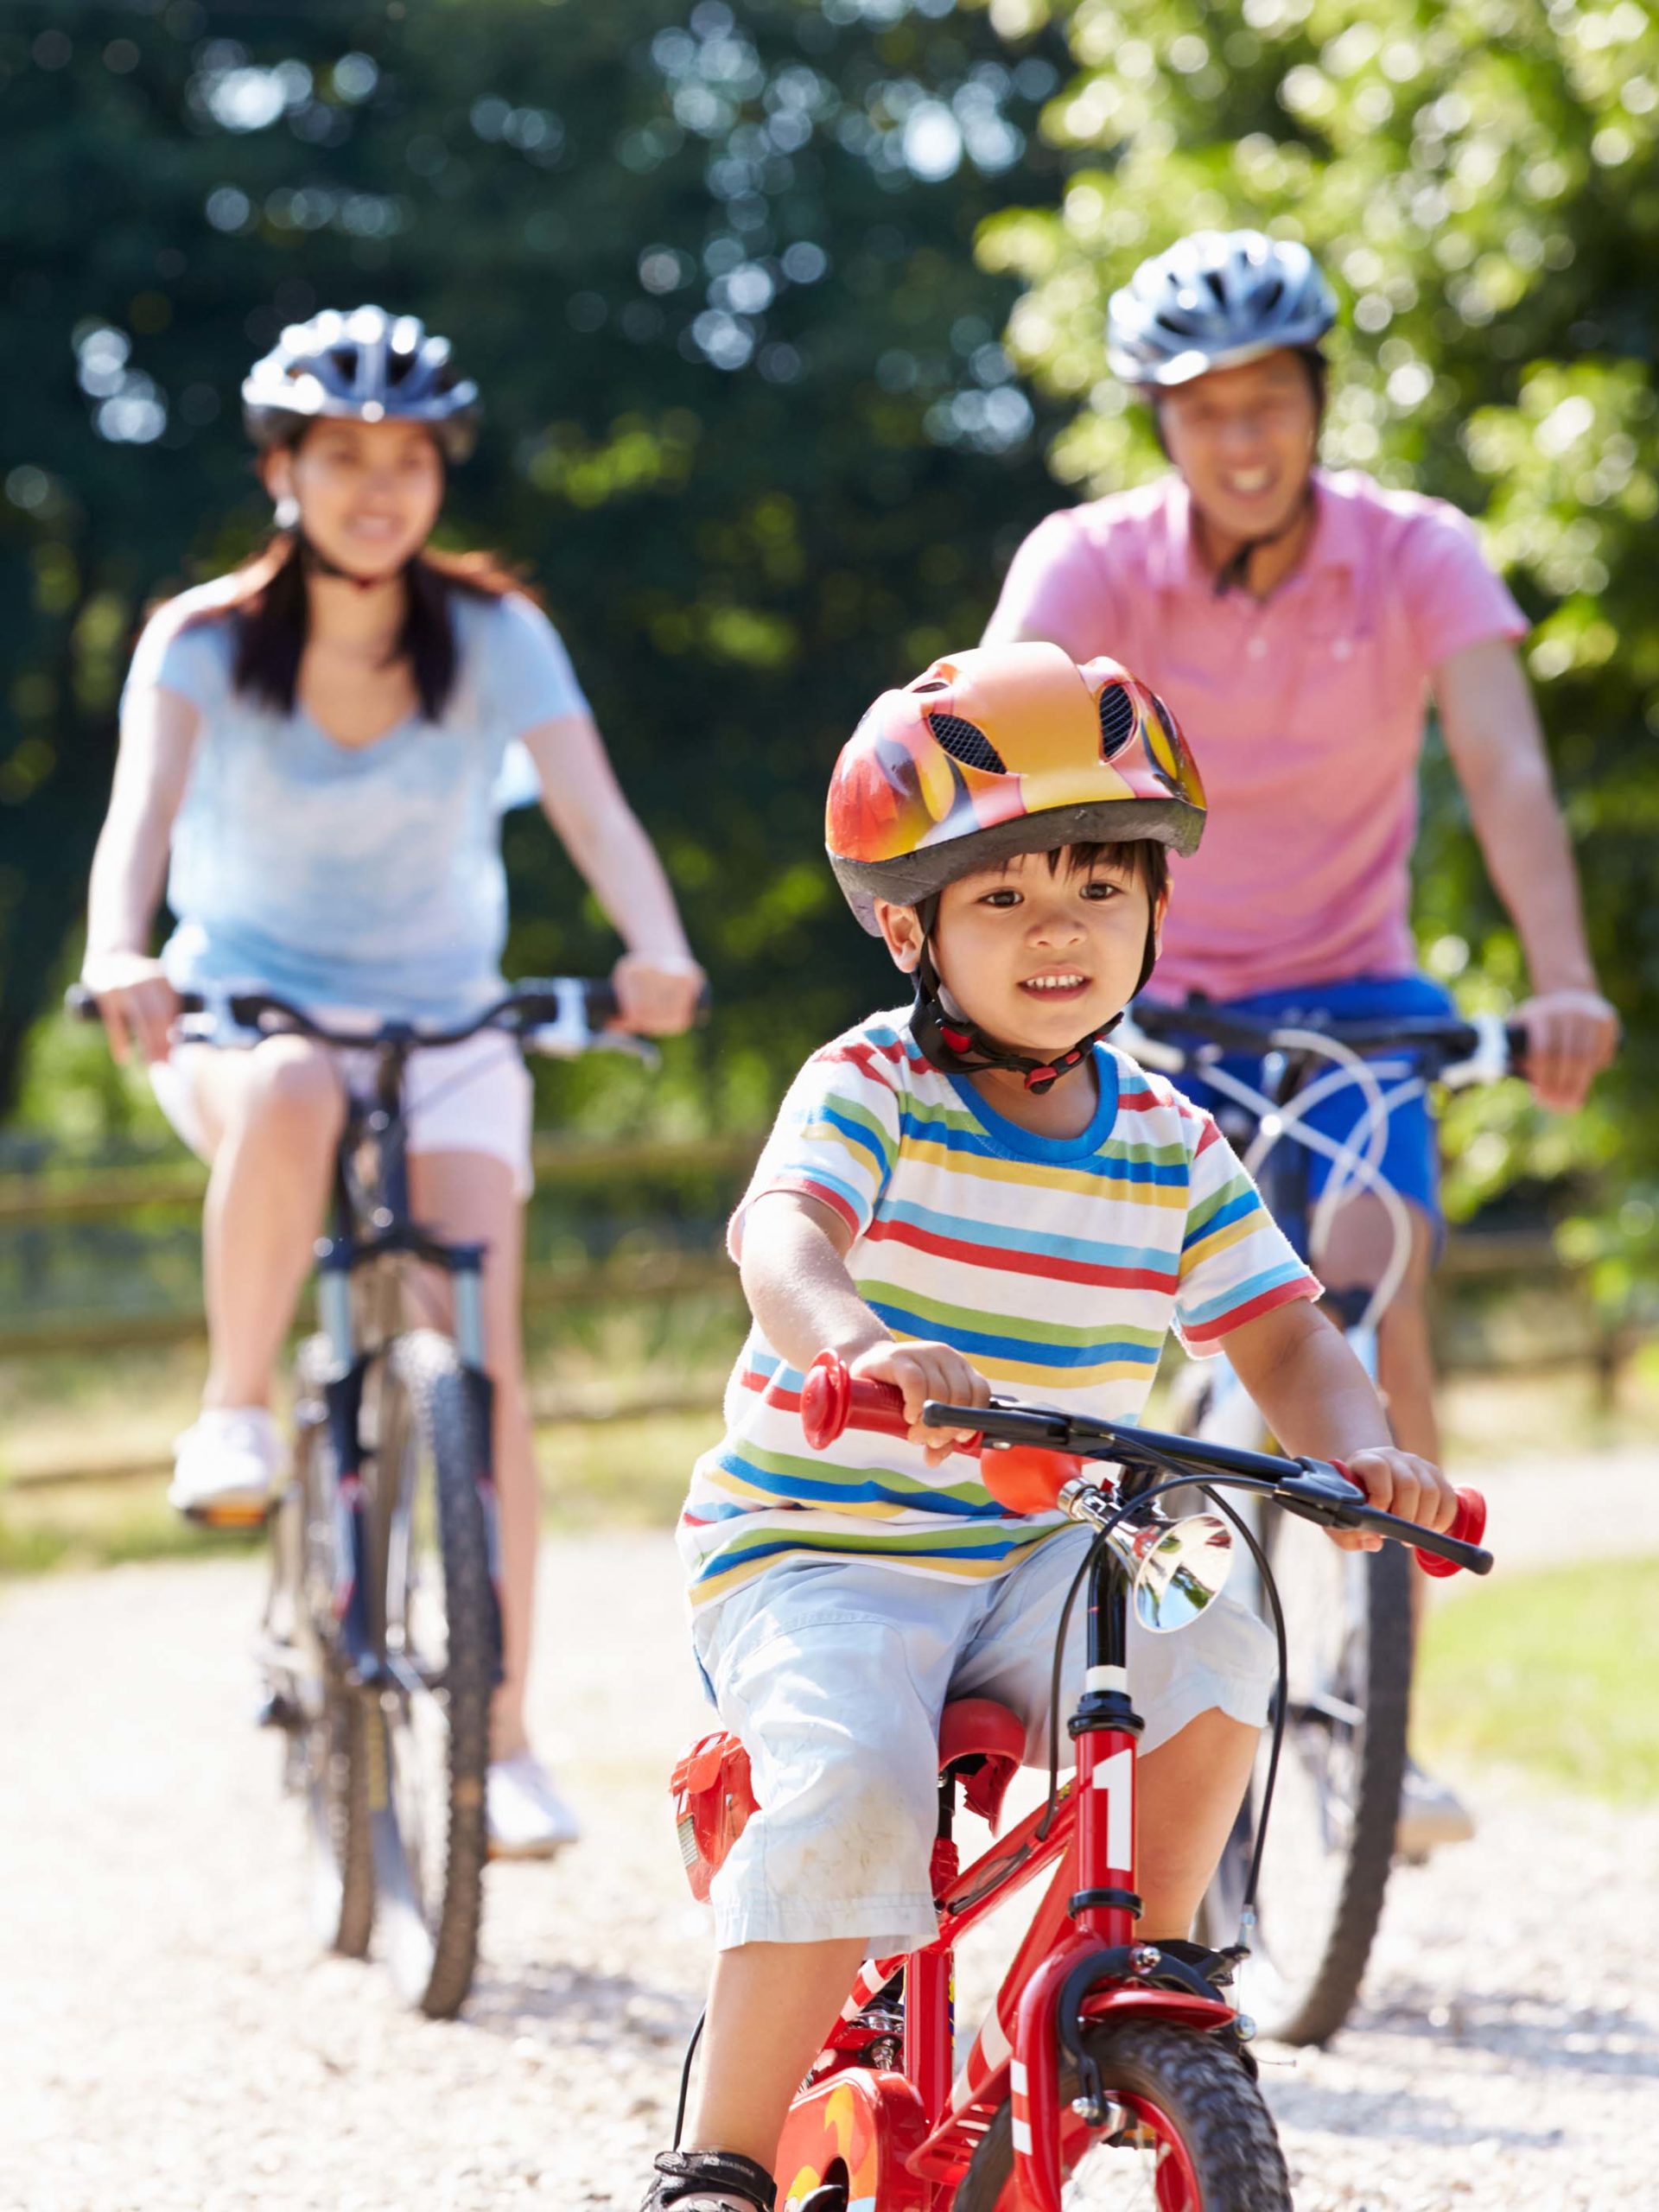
<point x="364" y="876"/>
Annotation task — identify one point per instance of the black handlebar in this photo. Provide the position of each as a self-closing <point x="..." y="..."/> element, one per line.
<point x="528" y="1007"/>
<point x="1311" y="1489"/>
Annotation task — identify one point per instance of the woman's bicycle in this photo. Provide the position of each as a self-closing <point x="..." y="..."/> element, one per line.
<point x="380" y="1645"/>
<point x="1349" y="1614"/>
<point x="1108" y="2071"/>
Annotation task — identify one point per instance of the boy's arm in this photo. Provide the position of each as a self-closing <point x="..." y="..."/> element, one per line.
<point x="1317" y="1399"/>
<point x="793" y="1266"/>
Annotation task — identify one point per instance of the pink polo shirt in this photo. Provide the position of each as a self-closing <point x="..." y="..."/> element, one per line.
<point x="1305" y="713"/>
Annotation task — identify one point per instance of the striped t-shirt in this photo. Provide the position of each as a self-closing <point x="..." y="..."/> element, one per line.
<point x="1056" y="1266"/>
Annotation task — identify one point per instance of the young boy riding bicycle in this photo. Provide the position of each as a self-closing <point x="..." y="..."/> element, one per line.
<point x="979" y="1192"/>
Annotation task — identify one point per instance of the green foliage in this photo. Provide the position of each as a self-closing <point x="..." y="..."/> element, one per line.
<point x="1547" y="1673"/>
<point x="1481" y="179"/>
<point x="747" y="423"/>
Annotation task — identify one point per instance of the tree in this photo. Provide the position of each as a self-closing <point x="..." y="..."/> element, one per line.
<point x="748" y="424"/>
<point x="1481" y="179"/>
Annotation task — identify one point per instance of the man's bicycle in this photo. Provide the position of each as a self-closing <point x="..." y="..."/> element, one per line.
<point x="1108" y="2071"/>
<point x="380" y="1646"/>
<point x="1349" y="1614"/>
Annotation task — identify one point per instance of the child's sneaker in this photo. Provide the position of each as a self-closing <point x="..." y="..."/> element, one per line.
<point x="710" y="2180"/>
<point x="225" y="1468"/>
<point x="528" y="1818"/>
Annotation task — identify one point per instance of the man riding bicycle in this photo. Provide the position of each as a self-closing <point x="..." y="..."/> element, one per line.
<point x="1297" y="622"/>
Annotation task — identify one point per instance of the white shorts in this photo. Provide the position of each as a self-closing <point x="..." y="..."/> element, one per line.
<point x="474" y="1096"/>
<point x="834" y="1676"/>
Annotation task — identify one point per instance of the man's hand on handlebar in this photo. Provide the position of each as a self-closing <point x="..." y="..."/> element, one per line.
<point x="1571" y="1036"/>
<point x="1398" y="1483"/>
<point x="139" y="1006"/>
<point x="924" y="1371"/>
<point x="658" y="993"/>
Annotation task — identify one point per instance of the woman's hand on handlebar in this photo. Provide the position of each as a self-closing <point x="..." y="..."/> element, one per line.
<point x="924" y="1371"/>
<point x="658" y="993"/>
<point x="139" y="1006"/>
<point x="1398" y="1483"/>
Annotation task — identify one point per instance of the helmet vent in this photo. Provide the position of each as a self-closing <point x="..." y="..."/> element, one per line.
<point x="967" y="742"/>
<point x="1116" y="720"/>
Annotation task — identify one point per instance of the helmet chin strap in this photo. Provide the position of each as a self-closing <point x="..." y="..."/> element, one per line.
<point x="956" y="1045"/>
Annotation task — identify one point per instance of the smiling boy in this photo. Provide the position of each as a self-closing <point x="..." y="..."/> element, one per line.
<point x="977" y="1192"/>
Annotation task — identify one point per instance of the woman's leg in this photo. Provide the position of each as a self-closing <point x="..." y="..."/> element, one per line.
<point x="470" y="1196"/>
<point x="270" y="1120"/>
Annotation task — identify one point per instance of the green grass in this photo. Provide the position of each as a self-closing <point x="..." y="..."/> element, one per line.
<point x="623" y="1473"/>
<point x="1551" y="1675"/>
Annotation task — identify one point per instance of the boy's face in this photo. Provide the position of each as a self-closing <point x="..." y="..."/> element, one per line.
<point x="1034" y="956"/>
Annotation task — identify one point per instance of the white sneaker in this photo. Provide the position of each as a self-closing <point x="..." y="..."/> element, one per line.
<point x="225" y="1468"/>
<point x="527" y="1816"/>
<point x="1430" y="1814"/>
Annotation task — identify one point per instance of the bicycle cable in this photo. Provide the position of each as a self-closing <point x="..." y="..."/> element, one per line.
<point x="695" y="2038"/>
<point x="1188" y="1479"/>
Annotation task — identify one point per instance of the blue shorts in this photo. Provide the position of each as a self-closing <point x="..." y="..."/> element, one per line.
<point x="1410" y="1160"/>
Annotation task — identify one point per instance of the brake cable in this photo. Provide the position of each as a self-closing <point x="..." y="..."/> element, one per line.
<point x="1190" y="1478"/>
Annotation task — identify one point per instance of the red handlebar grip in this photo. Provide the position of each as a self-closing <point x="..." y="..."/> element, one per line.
<point x="832" y="1395"/>
<point x="1469" y="1528"/>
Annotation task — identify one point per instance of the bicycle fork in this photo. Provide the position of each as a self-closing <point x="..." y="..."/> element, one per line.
<point x="1101" y="1971"/>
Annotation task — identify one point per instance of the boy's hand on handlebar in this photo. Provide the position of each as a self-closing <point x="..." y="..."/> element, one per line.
<point x="657" y="993"/>
<point x="924" y="1371"/>
<point x="139" y="1004"/>
<point x="1399" y="1482"/>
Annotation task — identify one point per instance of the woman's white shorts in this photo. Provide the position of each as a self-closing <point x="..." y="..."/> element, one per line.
<point x="833" y="1675"/>
<point x="474" y="1096"/>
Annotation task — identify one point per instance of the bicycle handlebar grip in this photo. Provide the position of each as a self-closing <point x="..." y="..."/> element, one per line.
<point x="832" y="1394"/>
<point x="1027" y="1478"/>
<point x="1468" y="1529"/>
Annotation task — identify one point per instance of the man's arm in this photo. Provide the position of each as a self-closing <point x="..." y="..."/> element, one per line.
<point x="1497" y="745"/>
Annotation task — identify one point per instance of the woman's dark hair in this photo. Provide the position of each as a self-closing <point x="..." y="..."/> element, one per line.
<point x="271" y="613"/>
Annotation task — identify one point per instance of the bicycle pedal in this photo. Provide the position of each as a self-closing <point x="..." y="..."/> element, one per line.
<point x="230" y="1517"/>
<point x="277" y="1710"/>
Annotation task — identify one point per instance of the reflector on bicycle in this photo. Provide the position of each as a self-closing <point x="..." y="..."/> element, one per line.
<point x="713" y="1800"/>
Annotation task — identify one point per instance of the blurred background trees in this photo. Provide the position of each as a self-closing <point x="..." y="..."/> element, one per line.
<point x="748" y="288"/>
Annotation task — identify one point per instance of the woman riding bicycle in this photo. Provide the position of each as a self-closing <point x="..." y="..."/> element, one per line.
<point x="321" y="738"/>
<point x="1298" y="623"/>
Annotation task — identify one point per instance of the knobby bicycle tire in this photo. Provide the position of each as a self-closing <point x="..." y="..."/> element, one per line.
<point x="1202" y="2092"/>
<point x="1310" y="2006"/>
<point x="331" y="1746"/>
<point x="442" y="1427"/>
<point x="1330" y="1995"/>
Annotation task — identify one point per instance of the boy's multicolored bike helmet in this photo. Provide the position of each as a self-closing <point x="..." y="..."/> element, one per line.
<point x="366" y="366"/>
<point x="1000" y="750"/>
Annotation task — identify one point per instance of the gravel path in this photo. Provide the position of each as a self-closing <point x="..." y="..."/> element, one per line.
<point x="171" y="2040"/>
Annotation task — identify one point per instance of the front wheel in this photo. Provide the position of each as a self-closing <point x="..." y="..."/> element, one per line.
<point x="1331" y="1834"/>
<point x="1191" y="2134"/>
<point x="439" y="1640"/>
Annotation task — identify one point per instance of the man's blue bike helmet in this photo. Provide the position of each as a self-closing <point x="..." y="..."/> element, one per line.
<point x="1214" y="300"/>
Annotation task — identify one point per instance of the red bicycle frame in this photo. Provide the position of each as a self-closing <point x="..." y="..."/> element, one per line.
<point x="900" y="2140"/>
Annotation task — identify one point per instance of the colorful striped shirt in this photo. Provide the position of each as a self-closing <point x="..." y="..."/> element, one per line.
<point x="1056" y="1266"/>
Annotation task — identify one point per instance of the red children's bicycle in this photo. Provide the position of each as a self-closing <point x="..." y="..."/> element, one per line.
<point x="1109" y="2072"/>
